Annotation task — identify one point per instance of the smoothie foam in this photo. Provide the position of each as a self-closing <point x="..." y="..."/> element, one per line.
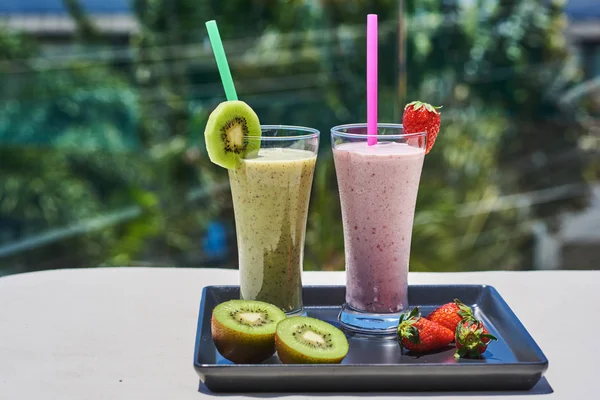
<point x="270" y="196"/>
<point x="378" y="189"/>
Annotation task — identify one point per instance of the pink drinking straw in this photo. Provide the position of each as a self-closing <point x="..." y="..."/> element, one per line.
<point x="372" y="79"/>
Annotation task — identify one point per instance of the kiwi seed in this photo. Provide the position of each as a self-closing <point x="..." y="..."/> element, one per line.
<point x="313" y="337"/>
<point x="251" y="316"/>
<point x="233" y="134"/>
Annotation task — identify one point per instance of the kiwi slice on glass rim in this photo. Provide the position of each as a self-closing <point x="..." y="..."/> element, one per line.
<point x="232" y="133"/>
<point x="306" y="340"/>
<point x="244" y="330"/>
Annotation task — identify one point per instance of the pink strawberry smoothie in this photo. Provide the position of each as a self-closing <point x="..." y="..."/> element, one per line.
<point x="378" y="190"/>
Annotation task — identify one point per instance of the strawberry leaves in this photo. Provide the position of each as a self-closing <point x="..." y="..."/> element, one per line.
<point x="464" y="311"/>
<point x="471" y="339"/>
<point x="418" y="104"/>
<point x="406" y="328"/>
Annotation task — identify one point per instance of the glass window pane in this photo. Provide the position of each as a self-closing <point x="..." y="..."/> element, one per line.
<point x="104" y="103"/>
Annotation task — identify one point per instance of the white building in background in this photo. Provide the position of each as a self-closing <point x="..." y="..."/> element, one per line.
<point x="576" y="245"/>
<point x="49" y="21"/>
<point x="584" y="32"/>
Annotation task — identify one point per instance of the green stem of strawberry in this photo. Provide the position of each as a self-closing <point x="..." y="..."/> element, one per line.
<point x="406" y="330"/>
<point x="465" y="312"/>
<point x="470" y="339"/>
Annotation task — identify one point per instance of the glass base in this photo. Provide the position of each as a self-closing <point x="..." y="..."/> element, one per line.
<point x="297" y="313"/>
<point x="385" y="324"/>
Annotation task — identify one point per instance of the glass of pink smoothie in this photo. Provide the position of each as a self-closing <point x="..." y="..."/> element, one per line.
<point x="378" y="185"/>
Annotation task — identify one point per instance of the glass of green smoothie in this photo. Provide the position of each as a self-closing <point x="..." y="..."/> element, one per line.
<point x="271" y="190"/>
<point x="271" y="170"/>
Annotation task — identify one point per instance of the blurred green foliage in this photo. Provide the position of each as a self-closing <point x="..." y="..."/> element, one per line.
<point x="81" y="138"/>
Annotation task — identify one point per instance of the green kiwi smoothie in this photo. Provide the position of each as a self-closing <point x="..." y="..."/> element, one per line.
<point x="271" y="194"/>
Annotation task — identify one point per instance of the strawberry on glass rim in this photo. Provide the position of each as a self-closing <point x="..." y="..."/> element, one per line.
<point x="422" y="117"/>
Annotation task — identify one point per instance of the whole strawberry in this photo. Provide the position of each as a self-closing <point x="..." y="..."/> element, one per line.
<point x="451" y="314"/>
<point x="472" y="339"/>
<point x="422" y="117"/>
<point x="420" y="334"/>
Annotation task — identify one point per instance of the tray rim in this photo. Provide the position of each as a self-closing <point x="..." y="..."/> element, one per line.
<point x="542" y="362"/>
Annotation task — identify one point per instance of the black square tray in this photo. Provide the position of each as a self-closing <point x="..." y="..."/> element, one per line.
<point x="514" y="362"/>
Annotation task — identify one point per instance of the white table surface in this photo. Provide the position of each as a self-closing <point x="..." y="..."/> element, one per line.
<point x="128" y="333"/>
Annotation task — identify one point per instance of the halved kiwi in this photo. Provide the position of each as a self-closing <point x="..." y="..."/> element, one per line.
<point x="243" y="330"/>
<point x="306" y="340"/>
<point x="229" y="133"/>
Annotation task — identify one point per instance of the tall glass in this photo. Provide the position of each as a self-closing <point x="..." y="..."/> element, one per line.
<point x="271" y="191"/>
<point x="378" y="187"/>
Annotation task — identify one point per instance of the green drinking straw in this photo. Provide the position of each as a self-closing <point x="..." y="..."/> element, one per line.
<point x="222" y="65"/>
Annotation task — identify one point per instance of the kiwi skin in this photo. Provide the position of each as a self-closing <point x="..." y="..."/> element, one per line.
<point x="241" y="349"/>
